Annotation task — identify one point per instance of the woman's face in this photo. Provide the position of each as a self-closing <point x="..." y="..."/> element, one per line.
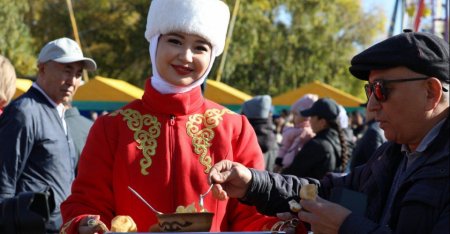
<point x="182" y="58"/>
<point x="317" y="124"/>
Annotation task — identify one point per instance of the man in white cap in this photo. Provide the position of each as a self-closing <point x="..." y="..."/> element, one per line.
<point x="37" y="153"/>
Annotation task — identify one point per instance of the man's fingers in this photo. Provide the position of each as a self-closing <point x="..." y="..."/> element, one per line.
<point x="219" y="193"/>
<point x="306" y="216"/>
<point x="285" y="215"/>
<point x="312" y="205"/>
<point x="220" y="172"/>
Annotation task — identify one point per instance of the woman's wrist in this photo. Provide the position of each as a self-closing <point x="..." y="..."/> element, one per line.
<point x="287" y="226"/>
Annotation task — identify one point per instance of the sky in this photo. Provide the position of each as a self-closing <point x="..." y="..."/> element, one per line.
<point x="387" y="6"/>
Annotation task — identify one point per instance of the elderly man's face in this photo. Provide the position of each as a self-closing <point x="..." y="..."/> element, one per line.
<point x="60" y="80"/>
<point x="402" y="114"/>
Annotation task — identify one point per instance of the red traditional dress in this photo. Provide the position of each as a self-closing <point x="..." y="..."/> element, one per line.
<point x="163" y="146"/>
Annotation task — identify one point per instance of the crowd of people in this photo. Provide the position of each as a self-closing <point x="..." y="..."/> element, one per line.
<point x="391" y="160"/>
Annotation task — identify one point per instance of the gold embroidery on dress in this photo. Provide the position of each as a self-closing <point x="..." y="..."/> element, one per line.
<point x="146" y="138"/>
<point x="201" y="138"/>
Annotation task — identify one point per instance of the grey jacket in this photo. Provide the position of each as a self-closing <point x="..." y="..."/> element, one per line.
<point x="79" y="127"/>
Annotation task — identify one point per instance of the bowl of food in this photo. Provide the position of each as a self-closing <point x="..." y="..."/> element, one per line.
<point x="186" y="219"/>
<point x="185" y="222"/>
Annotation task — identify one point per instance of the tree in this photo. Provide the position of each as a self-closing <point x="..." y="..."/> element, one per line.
<point x="111" y="32"/>
<point x="15" y="40"/>
<point x="316" y="45"/>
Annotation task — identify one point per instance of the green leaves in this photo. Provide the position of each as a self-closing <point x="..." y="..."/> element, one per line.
<point x="268" y="57"/>
<point x="15" y="40"/>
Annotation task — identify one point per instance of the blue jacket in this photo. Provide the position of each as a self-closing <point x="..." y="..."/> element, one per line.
<point x="35" y="153"/>
<point x="421" y="204"/>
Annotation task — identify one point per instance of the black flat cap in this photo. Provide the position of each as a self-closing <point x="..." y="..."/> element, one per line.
<point x="325" y="108"/>
<point x="423" y="53"/>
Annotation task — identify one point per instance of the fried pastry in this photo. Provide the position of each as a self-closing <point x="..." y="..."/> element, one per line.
<point x="123" y="223"/>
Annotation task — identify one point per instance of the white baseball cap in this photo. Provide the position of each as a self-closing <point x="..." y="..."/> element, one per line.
<point x="65" y="50"/>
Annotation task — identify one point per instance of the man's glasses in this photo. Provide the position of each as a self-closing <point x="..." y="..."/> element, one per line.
<point x="379" y="89"/>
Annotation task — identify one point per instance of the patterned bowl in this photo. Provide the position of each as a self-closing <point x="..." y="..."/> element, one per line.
<point x="185" y="222"/>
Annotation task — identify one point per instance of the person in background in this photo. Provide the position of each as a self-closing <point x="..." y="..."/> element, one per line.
<point x="258" y="112"/>
<point x="37" y="152"/>
<point x="79" y="126"/>
<point x="164" y="144"/>
<point x="357" y="124"/>
<point x="327" y="150"/>
<point x="350" y="138"/>
<point x="406" y="181"/>
<point x="372" y="138"/>
<point x="280" y="122"/>
<point x="7" y="82"/>
<point x="295" y="137"/>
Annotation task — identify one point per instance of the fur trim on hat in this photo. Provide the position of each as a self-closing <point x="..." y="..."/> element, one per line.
<point x="205" y="18"/>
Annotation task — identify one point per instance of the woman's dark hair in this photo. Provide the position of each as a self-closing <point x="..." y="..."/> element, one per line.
<point x="342" y="164"/>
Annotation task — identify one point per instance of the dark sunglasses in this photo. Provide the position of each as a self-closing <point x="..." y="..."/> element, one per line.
<point x="379" y="89"/>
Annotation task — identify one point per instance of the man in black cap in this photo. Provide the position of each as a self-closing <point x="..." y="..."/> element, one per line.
<point x="406" y="181"/>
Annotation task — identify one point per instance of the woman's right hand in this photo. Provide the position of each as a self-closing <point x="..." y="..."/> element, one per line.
<point x="230" y="179"/>
<point x="91" y="224"/>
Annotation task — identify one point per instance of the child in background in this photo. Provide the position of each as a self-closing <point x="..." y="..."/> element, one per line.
<point x="295" y="137"/>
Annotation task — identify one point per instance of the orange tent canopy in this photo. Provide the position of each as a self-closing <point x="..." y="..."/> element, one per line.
<point x="22" y="85"/>
<point x="224" y="94"/>
<point x="322" y="90"/>
<point x="108" y="90"/>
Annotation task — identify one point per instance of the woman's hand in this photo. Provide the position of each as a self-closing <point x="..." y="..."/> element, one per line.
<point x="230" y="179"/>
<point x="91" y="224"/>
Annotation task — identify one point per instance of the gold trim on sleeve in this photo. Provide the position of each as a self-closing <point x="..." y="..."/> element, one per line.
<point x="201" y="138"/>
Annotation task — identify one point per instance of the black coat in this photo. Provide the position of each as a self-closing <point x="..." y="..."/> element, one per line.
<point x="421" y="204"/>
<point x="318" y="156"/>
<point x="373" y="137"/>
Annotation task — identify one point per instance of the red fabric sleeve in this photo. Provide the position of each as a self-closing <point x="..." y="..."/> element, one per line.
<point x="95" y="178"/>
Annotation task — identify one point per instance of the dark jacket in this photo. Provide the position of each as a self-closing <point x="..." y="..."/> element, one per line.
<point x="373" y="137"/>
<point x="35" y="153"/>
<point x="266" y="140"/>
<point x="264" y="132"/>
<point x="421" y="204"/>
<point x="318" y="156"/>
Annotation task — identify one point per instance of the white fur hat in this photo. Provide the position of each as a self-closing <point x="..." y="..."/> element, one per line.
<point x="206" y="18"/>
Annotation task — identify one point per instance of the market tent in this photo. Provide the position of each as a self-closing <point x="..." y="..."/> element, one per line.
<point x="225" y="95"/>
<point x="322" y="90"/>
<point x="22" y="85"/>
<point x="103" y="93"/>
